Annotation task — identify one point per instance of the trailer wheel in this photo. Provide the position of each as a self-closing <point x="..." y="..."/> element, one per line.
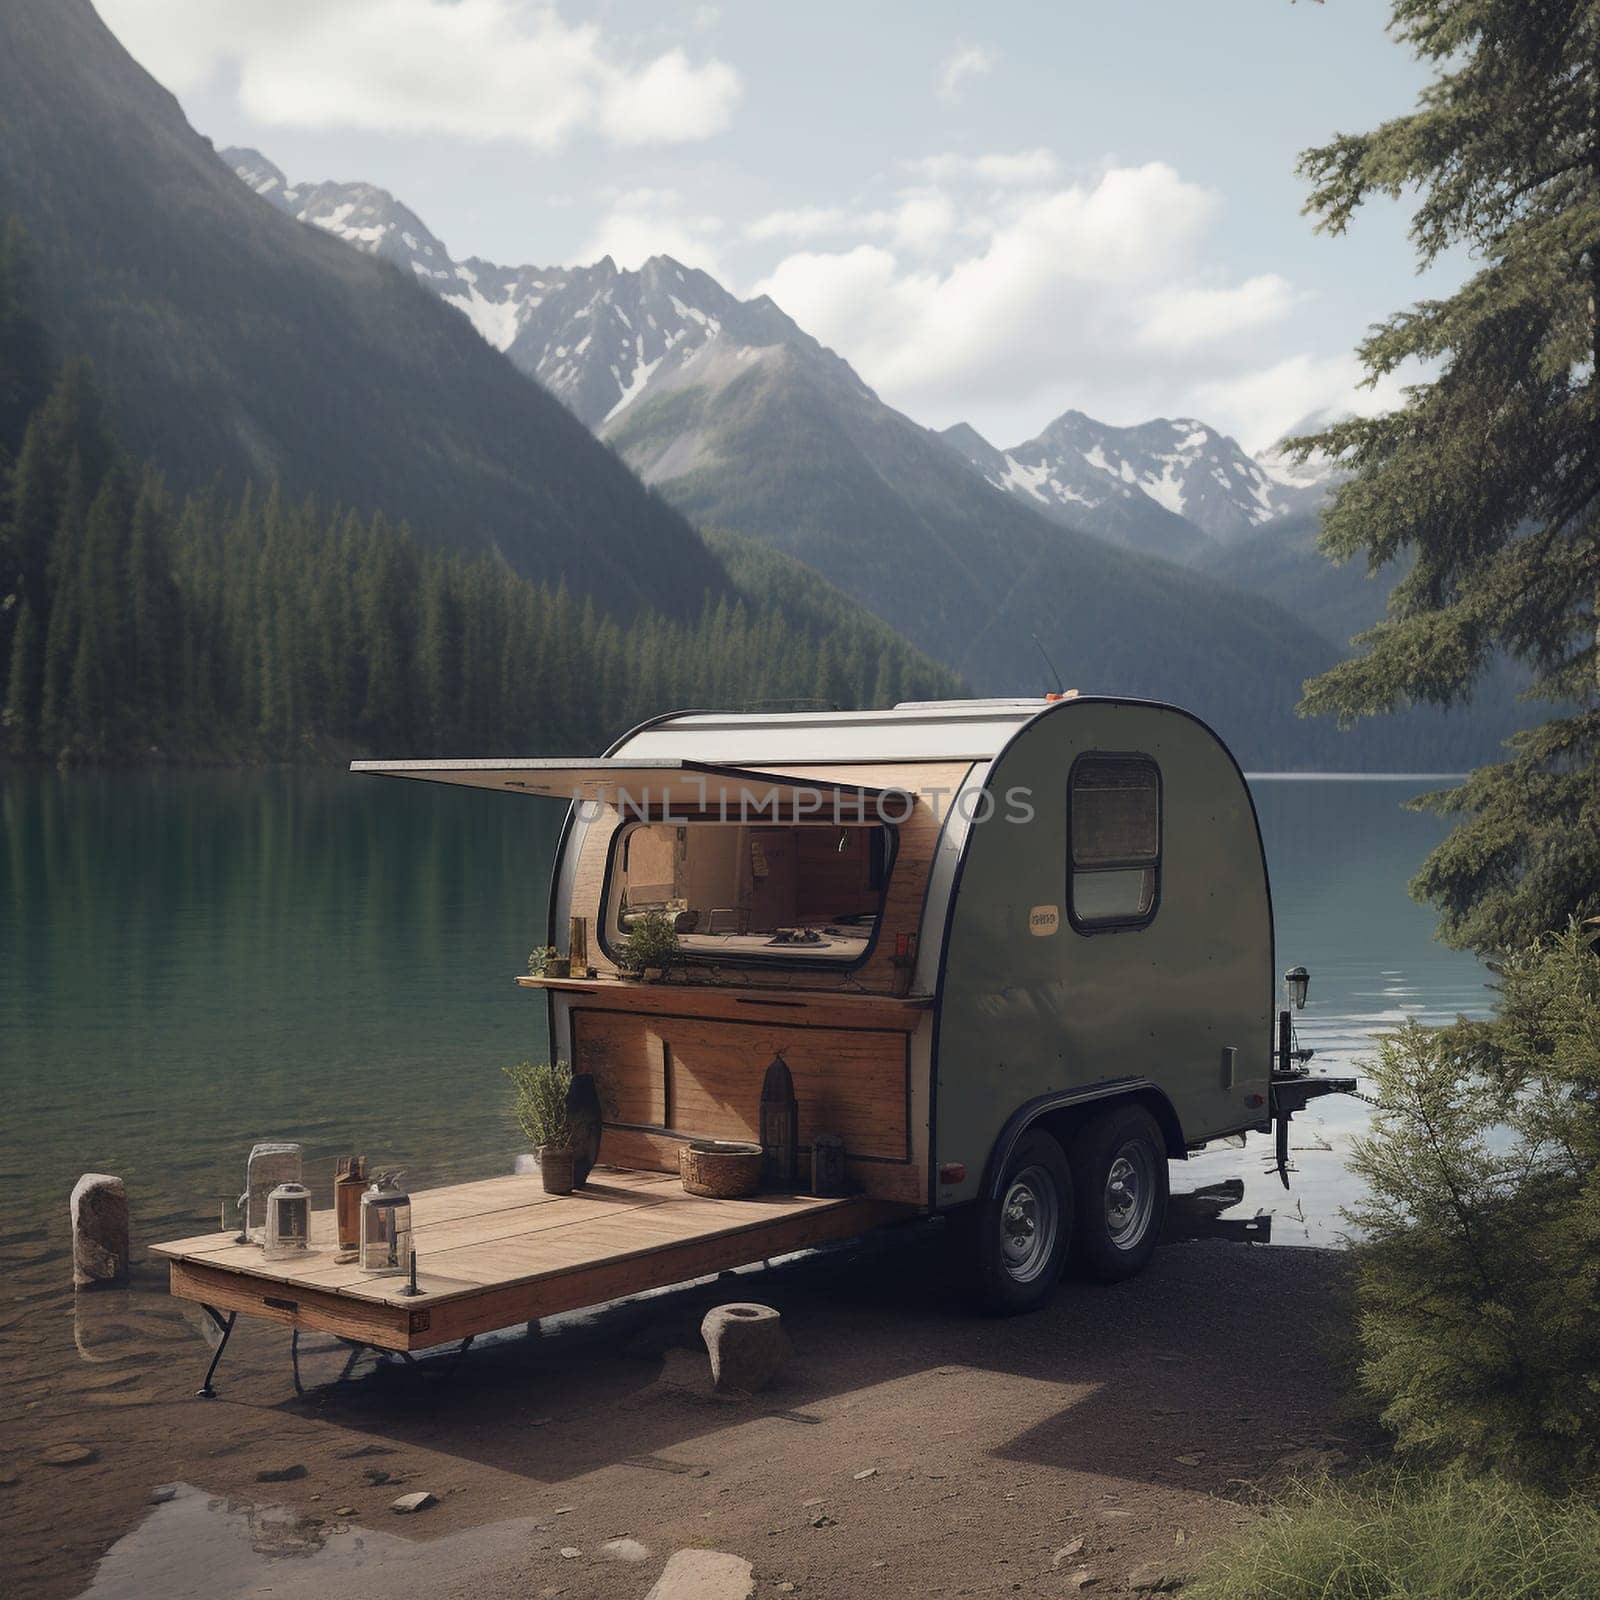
<point x="1015" y="1246"/>
<point x="1119" y="1170"/>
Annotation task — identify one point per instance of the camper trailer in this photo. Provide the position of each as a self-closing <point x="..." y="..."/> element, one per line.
<point x="1013" y="956"/>
<point x="1017" y="955"/>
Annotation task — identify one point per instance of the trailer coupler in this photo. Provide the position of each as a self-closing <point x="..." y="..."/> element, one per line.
<point x="1293" y="1091"/>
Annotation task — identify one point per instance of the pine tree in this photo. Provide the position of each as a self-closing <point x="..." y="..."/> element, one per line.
<point x="152" y="614"/>
<point x="1488" y="477"/>
<point x="22" y="684"/>
<point x="26" y="369"/>
<point x="63" y="605"/>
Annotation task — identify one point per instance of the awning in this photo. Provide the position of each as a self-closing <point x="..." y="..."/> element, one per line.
<point x="649" y="785"/>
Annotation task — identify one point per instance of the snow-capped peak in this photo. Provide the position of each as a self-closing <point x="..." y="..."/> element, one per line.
<point x="1117" y="480"/>
<point x="596" y="336"/>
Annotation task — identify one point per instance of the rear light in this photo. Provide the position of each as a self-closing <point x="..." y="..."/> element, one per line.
<point x="953" y="1172"/>
<point x="904" y="944"/>
<point x="1255" y="1101"/>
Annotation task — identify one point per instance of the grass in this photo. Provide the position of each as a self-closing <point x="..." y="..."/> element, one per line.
<point x="1411" y="1538"/>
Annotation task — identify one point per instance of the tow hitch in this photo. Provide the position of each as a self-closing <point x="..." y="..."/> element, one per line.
<point x="1294" y="1086"/>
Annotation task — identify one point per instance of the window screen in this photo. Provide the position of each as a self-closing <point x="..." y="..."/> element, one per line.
<point x="1114" y="837"/>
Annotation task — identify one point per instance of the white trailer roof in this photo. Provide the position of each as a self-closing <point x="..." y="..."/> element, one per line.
<point x="939" y="730"/>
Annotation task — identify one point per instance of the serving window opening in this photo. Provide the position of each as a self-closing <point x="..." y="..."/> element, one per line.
<point x="740" y="892"/>
<point x="1114" y="841"/>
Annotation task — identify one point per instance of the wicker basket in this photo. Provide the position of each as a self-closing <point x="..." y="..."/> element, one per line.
<point x="719" y="1169"/>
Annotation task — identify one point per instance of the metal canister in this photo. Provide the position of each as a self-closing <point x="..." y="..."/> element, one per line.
<point x="386" y="1226"/>
<point x="827" y="1165"/>
<point x="349" y="1180"/>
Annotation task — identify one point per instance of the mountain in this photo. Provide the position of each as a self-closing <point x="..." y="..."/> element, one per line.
<point x="1069" y="488"/>
<point x="232" y="341"/>
<point x="593" y="336"/>
<point x="1170" y="486"/>
<point x="1281" y="562"/>
<point x="747" y="424"/>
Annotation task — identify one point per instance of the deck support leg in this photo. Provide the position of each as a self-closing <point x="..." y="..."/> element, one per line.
<point x="294" y="1360"/>
<point x="205" y="1391"/>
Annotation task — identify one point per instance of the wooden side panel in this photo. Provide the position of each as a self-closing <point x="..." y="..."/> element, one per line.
<point x="588" y="886"/>
<point x="369" y="1321"/>
<point x="690" y="1076"/>
<point x="902" y="1184"/>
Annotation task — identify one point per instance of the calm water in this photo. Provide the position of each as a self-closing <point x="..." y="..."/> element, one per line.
<point x="192" y="962"/>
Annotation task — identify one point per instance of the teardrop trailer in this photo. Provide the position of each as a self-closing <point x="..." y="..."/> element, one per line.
<point x="1016" y="955"/>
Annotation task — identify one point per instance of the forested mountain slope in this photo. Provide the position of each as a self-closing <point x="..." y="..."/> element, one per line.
<point x="135" y="625"/>
<point x="230" y="339"/>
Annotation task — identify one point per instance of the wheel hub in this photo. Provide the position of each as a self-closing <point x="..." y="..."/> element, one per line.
<point x="1129" y="1196"/>
<point x="1028" y="1221"/>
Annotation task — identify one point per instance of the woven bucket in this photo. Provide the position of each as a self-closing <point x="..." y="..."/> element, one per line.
<point x="719" y="1169"/>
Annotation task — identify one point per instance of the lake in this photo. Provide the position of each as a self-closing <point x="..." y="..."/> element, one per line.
<point x="194" y="961"/>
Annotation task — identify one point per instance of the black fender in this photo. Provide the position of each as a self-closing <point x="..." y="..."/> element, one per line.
<point x="1030" y="1112"/>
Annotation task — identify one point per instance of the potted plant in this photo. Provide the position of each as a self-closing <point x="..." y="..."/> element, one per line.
<point x="546" y="963"/>
<point x="651" y="947"/>
<point x="540" y="1109"/>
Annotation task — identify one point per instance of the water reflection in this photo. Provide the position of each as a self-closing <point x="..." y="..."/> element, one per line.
<point x="195" y="961"/>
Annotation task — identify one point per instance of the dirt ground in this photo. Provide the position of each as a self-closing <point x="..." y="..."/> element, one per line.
<point x="910" y="1448"/>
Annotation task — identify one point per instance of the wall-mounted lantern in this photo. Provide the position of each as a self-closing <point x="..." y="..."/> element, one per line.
<point x="1297" y="980"/>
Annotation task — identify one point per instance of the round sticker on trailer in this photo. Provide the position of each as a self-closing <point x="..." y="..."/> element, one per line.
<point x="1044" y="921"/>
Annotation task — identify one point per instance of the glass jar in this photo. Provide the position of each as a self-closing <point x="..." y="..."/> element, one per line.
<point x="288" y="1221"/>
<point x="270" y="1164"/>
<point x="386" y="1226"/>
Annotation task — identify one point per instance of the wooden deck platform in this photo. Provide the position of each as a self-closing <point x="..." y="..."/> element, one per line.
<point x="501" y="1251"/>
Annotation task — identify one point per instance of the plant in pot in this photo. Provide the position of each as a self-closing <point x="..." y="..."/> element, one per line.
<point x="548" y="963"/>
<point x="539" y="1106"/>
<point x="651" y="947"/>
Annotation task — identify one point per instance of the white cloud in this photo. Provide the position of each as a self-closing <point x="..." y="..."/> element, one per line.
<point x="670" y="101"/>
<point x="1181" y="318"/>
<point x="1020" y="303"/>
<point x="972" y="61"/>
<point x="1007" y="167"/>
<point x="1269" y="401"/>
<point x="472" y="69"/>
<point x="996" y="316"/>
<point x="922" y="218"/>
<point x="918" y="220"/>
<point x="802" y="222"/>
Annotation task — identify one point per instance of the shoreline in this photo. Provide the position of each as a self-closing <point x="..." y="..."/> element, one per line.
<point x="906" y="1439"/>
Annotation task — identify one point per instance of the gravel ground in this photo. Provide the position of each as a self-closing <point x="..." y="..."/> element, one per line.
<point x="909" y="1448"/>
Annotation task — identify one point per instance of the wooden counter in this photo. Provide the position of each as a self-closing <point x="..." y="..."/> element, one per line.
<point x="499" y="1252"/>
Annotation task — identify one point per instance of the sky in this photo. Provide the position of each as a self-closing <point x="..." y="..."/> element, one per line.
<point x="995" y="213"/>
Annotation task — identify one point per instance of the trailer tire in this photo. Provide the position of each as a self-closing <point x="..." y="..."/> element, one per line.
<point x="1119" y="1168"/>
<point x="1015" y="1245"/>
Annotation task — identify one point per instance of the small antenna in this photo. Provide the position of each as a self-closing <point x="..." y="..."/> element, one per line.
<point x="1061" y="688"/>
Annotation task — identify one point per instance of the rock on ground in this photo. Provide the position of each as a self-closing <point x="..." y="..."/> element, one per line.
<point x="99" y="1207"/>
<point x="704" y="1575"/>
<point x="746" y="1344"/>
